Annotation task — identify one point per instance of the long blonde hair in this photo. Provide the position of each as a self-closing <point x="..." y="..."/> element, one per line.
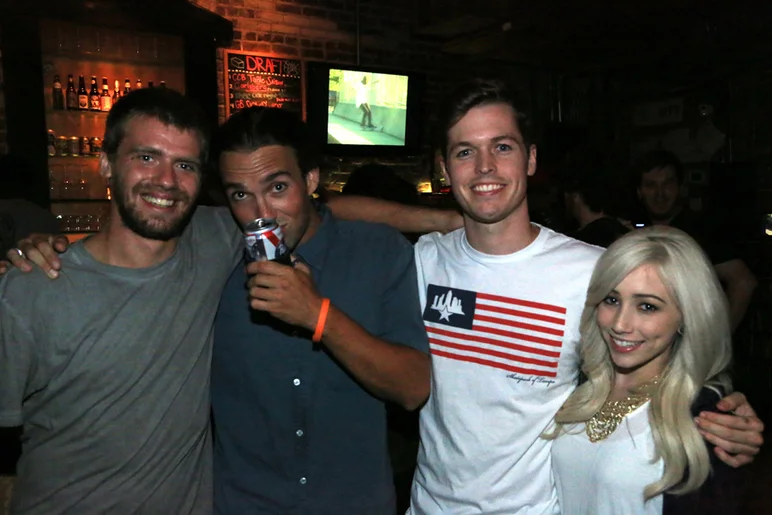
<point x="700" y="355"/>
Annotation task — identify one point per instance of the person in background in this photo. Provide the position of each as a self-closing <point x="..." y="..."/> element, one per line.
<point x="586" y="193"/>
<point x="656" y="345"/>
<point x="18" y="216"/>
<point x="300" y="427"/>
<point x="379" y="181"/>
<point x="660" y="181"/>
<point x="363" y="103"/>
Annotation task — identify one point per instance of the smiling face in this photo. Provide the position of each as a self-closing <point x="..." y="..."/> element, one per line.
<point x="155" y="177"/>
<point x="488" y="163"/>
<point x="639" y="320"/>
<point x="268" y="183"/>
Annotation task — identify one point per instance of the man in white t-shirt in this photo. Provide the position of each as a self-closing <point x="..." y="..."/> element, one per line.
<point x="502" y="299"/>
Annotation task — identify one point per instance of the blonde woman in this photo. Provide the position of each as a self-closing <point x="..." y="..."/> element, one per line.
<point x="655" y="346"/>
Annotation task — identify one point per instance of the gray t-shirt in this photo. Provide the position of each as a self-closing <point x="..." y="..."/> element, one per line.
<point x="107" y="369"/>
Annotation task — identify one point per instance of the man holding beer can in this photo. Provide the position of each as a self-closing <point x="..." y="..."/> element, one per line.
<point x="301" y="371"/>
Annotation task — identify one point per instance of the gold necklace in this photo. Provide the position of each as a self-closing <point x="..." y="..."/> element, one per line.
<point x="611" y="414"/>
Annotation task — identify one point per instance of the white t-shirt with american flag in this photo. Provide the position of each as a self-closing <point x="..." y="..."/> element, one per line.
<point x="504" y="334"/>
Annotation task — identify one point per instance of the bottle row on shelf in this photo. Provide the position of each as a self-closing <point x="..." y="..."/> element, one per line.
<point x="81" y="99"/>
<point x="73" y="146"/>
<point x="76" y="182"/>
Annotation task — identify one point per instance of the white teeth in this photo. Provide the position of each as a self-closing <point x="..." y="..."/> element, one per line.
<point x="487" y="187"/>
<point x="623" y="343"/>
<point x="158" y="201"/>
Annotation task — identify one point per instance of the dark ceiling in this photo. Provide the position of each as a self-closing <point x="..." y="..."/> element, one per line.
<point x="686" y="38"/>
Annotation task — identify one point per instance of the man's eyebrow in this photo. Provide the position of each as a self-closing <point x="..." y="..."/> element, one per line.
<point x="232" y="185"/>
<point x="274" y="176"/>
<point x="495" y="139"/>
<point x="146" y="150"/>
<point x="157" y="152"/>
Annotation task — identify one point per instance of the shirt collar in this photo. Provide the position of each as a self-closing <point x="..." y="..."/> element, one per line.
<point x="314" y="251"/>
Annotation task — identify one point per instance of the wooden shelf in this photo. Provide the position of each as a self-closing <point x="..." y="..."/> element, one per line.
<point x="108" y="60"/>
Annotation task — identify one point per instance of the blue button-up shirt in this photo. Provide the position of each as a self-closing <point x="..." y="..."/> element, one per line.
<point x="294" y="432"/>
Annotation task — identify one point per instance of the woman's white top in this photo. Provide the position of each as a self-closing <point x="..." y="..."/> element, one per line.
<point x="607" y="477"/>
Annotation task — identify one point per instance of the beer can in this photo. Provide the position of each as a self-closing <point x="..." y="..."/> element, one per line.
<point x="62" y="146"/>
<point x="74" y="146"/>
<point x="96" y="146"/>
<point x="265" y="241"/>
<point x="85" y="146"/>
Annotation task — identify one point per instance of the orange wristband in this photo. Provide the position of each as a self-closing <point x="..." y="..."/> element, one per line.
<point x="321" y="321"/>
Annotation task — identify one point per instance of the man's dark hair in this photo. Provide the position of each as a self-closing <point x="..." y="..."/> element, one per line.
<point x="380" y="181"/>
<point x="657" y="159"/>
<point x="257" y="127"/>
<point x="165" y="105"/>
<point x="591" y="183"/>
<point x="477" y="93"/>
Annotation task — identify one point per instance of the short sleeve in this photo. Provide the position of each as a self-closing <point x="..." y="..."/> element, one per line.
<point x="401" y="320"/>
<point x="18" y="363"/>
<point x="216" y="226"/>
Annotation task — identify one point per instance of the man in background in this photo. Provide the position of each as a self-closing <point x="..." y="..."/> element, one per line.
<point x="363" y="103"/>
<point x="586" y="192"/>
<point x="660" y="181"/>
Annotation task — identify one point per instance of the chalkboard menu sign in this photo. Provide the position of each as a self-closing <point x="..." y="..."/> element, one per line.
<point x="255" y="80"/>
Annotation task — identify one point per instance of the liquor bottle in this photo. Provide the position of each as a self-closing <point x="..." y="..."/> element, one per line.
<point x="93" y="97"/>
<point x="105" y="101"/>
<point x="126" y="87"/>
<point x="82" y="95"/>
<point x="58" y="100"/>
<point x="139" y="83"/>
<point x="72" y="95"/>
<point x="162" y="85"/>
<point x="116" y="91"/>
<point x="150" y="84"/>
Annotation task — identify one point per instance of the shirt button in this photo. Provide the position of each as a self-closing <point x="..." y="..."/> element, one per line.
<point x="303" y="481"/>
<point x="296" y="381"/>
<point x="299" y="432"/>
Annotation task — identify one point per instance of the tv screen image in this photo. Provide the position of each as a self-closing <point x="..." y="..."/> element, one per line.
<point x="366" y="108"/>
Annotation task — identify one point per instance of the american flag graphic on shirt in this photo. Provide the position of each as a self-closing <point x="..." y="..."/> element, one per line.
<point x="510" y="334"/>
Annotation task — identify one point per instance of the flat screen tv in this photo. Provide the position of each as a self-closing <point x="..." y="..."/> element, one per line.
<point x="362" y="111"/>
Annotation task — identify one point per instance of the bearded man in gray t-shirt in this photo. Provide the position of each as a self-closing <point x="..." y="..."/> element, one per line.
<point x="107" y="368"/>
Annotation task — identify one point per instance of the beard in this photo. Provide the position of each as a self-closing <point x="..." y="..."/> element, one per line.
<point x="152" y="228"/>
